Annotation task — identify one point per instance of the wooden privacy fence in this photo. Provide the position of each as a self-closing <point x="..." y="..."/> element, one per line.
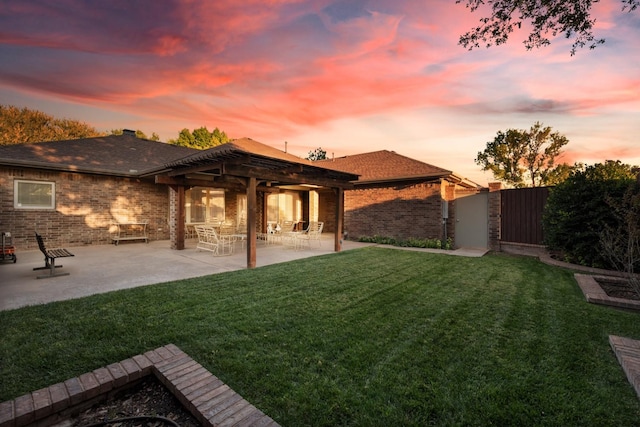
<point x="521" y="215"/>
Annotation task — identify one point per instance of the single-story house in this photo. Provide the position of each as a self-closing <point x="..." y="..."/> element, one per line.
<point x="74" y="192"/>
<point x="400" y="197"/>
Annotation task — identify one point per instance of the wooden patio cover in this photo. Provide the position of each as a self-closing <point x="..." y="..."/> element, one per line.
<point x="250" y="166"/>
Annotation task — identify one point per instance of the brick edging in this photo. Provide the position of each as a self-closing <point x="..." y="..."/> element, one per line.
<point x="205" y="396"/>
<point x="627" y="352"/>
<point x="547" y="259"/>
<point x="594" y="293"/>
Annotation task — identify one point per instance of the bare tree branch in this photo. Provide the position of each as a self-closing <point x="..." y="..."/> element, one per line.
<point x="547" y="18"/>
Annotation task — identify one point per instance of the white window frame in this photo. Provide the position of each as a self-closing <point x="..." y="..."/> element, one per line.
<point x="16" y="194"/>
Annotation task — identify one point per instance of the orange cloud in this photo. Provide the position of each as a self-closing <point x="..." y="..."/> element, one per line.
<point x="274" y="69"/>
<point x="598" y="155"/>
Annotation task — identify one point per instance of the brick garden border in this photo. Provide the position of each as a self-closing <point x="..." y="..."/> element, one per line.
<point x="207" y="398"/>
<point x="627" y="352"/>
<point x="594" y="293"/>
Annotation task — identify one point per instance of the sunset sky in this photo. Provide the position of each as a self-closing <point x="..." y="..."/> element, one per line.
<point x="348" y="76"/>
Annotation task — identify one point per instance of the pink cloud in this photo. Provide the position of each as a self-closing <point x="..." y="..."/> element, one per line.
<point x="629" y="155"/>
<point x="366" y="46"/>
<point x="277" y="68"/>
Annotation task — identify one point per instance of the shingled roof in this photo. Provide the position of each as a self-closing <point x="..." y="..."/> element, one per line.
<point x="236" y="147"/>
<point x="246" y="157"/>
<point x="121" y="155"/>
<point x="127" y="155"/>
<point x="387" y="166"/>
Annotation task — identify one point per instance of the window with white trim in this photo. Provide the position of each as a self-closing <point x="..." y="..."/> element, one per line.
<point x="34" y="194"/>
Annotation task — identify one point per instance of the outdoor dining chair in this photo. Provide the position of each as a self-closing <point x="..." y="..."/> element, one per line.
<point x="210" y="240"/>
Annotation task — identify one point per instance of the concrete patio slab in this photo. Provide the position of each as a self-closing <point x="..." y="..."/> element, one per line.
<point x="105" y="268"/>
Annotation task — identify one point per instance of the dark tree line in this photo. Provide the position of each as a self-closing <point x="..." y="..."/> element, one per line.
<point x="22" y="125"/>
<point x="25" y="126"/>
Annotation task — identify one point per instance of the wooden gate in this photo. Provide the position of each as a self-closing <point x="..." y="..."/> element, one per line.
<point x="472" y="221"/>
<point x="521" y="215"/>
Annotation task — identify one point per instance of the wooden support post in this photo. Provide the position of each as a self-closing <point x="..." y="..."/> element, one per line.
<point x="251" y="222"/>
<point x="181" y="214"/>
<point x="176" y="216"/>
<point x="339" y="218"/>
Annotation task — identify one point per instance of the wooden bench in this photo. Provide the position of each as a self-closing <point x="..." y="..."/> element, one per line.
<point x="50" y="256"/>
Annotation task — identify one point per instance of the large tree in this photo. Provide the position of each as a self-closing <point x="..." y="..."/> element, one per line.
<point x="200" y="138"/>
<point x="524" y="158"/>
<point x="545" y="18"/>
<point x="23" y="126"/>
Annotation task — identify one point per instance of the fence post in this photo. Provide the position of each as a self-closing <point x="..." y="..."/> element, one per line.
<point x="494" y="215"/>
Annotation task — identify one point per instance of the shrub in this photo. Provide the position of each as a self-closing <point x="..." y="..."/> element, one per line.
<point x="622" y="244"/>
<point x="381" y="240"/>
<point x="411" y="242"/>
<point x="580" y="208"/>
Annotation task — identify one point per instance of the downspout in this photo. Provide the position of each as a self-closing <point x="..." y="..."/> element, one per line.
<point x="445" y="217"/>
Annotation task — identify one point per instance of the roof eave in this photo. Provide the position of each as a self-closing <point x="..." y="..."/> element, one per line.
<point x="427" y="177"/>
<point x="68" y="168"/>
<point x="446" y="175"/>
<point x="465" y="182"/>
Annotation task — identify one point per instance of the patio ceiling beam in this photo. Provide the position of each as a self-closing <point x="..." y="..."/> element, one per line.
<point x="240" y="185"/>
<point x="285" y="177"/>
<point x="191" y="182"/>
<point x="216" y="168"/>
<point x="208" y="165"/>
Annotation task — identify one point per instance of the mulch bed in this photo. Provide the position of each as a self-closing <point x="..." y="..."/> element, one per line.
<point x="149" y="398"/>
<point x="618" y="288"/>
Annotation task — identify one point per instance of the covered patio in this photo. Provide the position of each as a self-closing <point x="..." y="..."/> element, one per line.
<point x="249" y="167"/>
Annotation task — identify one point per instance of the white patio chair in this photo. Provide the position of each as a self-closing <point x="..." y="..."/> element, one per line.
<point x="241" y="232"/>
<point x="287" y="234"/>
<point x="313" y="233"/>
<point x="210" y="240"/>
<point x="280" y="232"/>
<point x="228" y="227"/>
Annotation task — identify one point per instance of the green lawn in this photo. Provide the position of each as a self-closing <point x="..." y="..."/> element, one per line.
<point x="366" y="337"/>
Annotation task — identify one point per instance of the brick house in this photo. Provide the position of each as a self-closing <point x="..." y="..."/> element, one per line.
<point x="74" y="191"/>
<point x="396" y="196"/>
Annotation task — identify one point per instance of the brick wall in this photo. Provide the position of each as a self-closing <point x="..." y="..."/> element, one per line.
<point x="400" y="212"/>
<point x="86" y="206"/>
<point x="494" y="215"/>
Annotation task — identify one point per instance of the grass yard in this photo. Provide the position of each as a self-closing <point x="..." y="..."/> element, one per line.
<point x="366" y="337"/>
